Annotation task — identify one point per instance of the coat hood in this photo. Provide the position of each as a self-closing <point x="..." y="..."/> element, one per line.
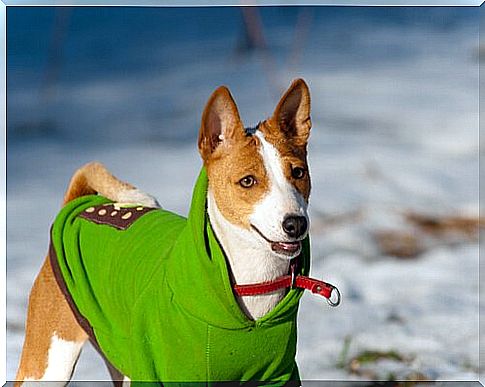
<point x="200" y="277"/>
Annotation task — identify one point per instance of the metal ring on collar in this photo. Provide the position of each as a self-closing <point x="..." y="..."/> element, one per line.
<point x="337" y="301"/>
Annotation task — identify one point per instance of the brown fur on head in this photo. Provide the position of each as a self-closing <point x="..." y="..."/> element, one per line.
<point x="229" y="154"/>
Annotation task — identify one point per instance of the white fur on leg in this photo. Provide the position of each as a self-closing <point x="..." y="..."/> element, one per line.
<point x="61" y="359"/>
<point x="138" y="197"/>
<point x="126" y="382"/>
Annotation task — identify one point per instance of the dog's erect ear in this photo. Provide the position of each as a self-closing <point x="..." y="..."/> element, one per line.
<point x="220" y="122"/>
<point x="292" y="114"/>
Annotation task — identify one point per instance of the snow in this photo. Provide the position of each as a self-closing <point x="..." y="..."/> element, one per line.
<point x="395" y="115"/>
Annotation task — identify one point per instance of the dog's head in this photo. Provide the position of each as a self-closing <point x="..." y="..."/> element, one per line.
<point x="259" y="176"/>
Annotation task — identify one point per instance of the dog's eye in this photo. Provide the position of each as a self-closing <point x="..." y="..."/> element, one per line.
<point x="298" y="172"/>
<point x="247" y="181"/>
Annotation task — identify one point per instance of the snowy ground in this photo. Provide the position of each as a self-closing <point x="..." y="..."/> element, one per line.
<point x="395" y="113"/>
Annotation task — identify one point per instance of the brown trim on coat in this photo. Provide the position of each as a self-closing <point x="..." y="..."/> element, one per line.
<point x="113" y="215"/>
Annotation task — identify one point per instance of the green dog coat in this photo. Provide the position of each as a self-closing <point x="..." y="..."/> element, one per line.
<point x="153" y="290"/>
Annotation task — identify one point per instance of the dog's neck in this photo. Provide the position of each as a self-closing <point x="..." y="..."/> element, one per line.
<point x="249" y="259"/>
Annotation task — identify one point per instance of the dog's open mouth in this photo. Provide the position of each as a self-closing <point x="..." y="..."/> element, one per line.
<point x="285" y="248"/>
<point x="288" y="248"/>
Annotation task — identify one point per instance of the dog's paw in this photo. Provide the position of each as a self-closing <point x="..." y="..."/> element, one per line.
<point x="136" y="196"/>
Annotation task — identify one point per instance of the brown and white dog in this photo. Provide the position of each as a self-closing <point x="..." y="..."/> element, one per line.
<point x="257" y="201"/>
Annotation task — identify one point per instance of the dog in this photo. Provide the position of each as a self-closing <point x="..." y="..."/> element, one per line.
<point x="213" y="297"/>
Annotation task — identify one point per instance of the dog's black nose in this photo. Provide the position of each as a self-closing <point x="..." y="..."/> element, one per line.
<point x="295" y="226"/>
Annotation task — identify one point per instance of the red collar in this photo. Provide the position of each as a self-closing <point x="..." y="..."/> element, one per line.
<point x="292" y="280"/>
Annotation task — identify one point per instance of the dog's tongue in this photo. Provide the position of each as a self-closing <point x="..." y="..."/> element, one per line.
<point x="286" y="247"/>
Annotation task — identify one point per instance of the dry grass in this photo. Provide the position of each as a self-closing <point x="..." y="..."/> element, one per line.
<point x="427" y="231"/>
<point x="443" y="226"/>
<point x="399" y="244"/>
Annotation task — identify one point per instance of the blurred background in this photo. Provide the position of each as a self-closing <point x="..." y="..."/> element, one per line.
<point x="393" y="156"/>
